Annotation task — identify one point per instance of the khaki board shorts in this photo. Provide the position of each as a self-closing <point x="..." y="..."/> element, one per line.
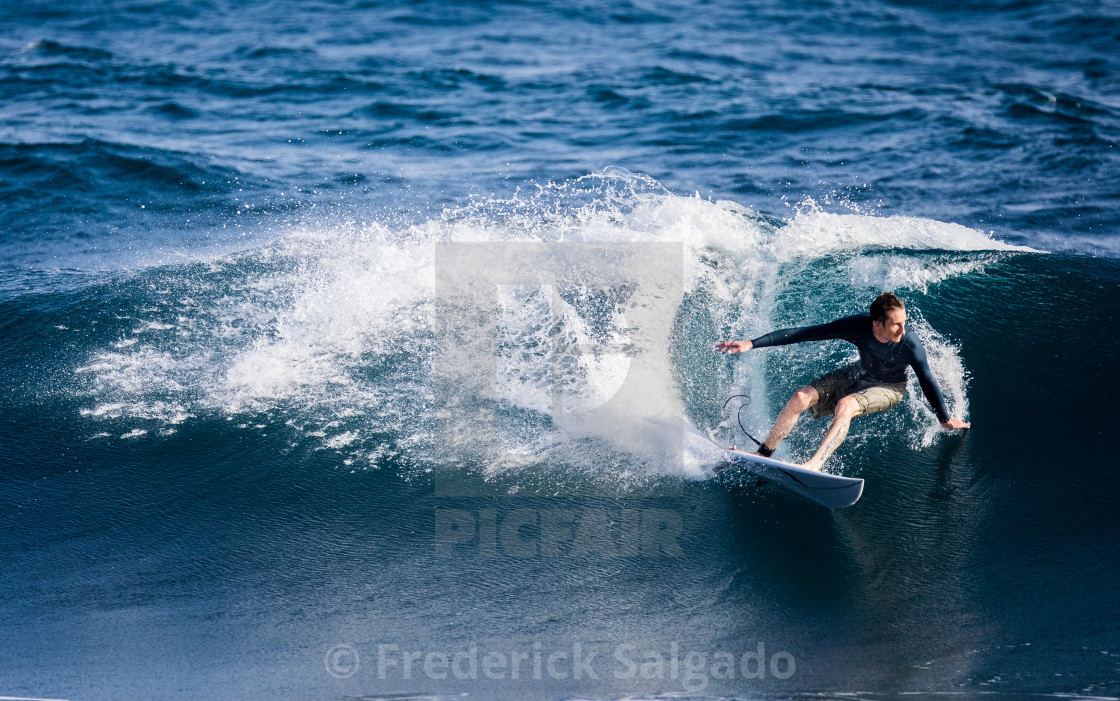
<point x="872" y="396"/>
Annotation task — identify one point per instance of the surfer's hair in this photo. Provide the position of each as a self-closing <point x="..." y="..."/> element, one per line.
<point x="882" y="306"/>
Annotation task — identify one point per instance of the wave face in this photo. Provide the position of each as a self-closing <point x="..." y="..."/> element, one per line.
<point x="339" y="334"/>
<point x="288" y="371"/>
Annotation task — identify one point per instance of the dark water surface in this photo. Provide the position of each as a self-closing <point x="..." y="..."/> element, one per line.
<point x="245" y="450"/>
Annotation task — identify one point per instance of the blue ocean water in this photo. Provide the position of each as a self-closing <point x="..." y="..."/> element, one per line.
<point x="247" y="449"/>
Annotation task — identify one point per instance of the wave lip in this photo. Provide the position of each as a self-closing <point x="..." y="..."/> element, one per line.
<point x="818" y="233"/>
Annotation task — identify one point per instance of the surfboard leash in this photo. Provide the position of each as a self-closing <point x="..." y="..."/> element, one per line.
<point x="739" y="414"/>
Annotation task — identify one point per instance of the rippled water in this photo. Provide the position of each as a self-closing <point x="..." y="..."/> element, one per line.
<point x="236" y="424"/>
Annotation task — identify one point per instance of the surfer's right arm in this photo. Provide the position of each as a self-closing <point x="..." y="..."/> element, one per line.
<point x="841" y="328"/>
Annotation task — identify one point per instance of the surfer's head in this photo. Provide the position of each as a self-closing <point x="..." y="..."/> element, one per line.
<point x="888" y="318"/>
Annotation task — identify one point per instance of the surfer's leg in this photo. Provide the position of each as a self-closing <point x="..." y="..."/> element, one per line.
<point x="846" y="408"/>
<point x="801" y="400"/>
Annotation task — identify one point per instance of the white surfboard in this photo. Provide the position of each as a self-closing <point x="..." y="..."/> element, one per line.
<point x="832" y="491"/>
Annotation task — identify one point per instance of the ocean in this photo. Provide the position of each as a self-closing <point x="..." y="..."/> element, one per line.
<point x="365" y="350"/>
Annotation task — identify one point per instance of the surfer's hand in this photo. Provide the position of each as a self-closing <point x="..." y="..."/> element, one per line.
<point x="955" y="423"/>
<point x="734" y="346"/>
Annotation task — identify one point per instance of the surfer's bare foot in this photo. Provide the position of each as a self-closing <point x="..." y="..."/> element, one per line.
<point x="812" y="465"/>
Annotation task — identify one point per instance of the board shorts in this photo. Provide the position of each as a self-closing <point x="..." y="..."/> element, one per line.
<point x="873" y="396"/>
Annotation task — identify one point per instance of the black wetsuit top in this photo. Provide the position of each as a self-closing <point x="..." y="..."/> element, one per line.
<point x="881" y="362"/>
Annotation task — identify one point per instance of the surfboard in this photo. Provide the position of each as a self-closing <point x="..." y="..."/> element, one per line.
<point x="832" y="491"/>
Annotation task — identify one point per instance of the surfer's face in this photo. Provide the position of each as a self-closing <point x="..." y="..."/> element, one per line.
<point x="892" y="329"/>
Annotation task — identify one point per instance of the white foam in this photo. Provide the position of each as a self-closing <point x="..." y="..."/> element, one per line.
<point x="342" y="440"/>
<point x="949" y="371"/>
<point x="813" y="233"/>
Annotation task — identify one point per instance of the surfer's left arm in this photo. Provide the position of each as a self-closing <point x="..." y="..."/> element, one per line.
<point x="930" y="388"/>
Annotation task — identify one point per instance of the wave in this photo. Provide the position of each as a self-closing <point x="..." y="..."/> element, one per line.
<point x="101" y="173"/>
<point x="51" y="49"/>
<point x="341" y="338"/>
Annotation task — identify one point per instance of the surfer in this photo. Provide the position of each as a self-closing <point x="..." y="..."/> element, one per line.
<point x="874" y="383"/>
